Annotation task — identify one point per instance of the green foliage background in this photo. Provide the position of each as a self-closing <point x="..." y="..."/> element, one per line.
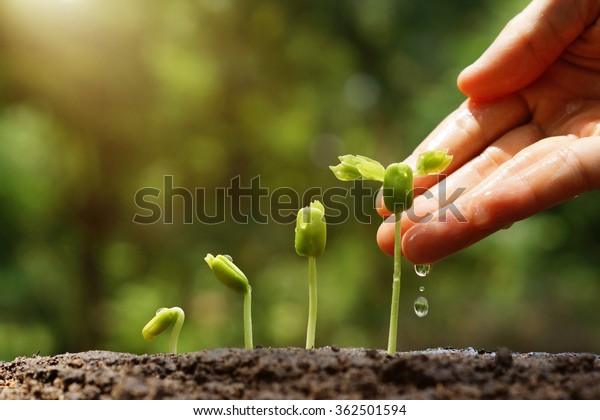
<point x="99" y="99"/>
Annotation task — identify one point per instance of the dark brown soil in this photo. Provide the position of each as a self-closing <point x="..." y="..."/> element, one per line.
<point x="291" y="373"/>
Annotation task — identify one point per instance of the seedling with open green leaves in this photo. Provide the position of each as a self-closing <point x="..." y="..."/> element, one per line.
<point x="398" y="195"/>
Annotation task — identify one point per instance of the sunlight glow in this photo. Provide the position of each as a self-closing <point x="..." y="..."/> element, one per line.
<point x="46" y="7"/>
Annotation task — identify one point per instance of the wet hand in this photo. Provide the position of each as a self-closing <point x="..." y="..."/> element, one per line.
<point x="527" y="138"/>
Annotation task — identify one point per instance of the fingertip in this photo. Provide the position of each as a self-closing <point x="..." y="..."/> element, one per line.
<point x="474" y="82"/>
<point x="385" y="236"/>
<point x="533" y="40"/>
<point x="379" y="206"/>
<point x="422" y="244"/>
<point x="464" y="79"/>
<point x="414" y="247"/>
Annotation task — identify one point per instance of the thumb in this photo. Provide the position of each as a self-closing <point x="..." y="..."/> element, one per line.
<point x="526" y="47"/>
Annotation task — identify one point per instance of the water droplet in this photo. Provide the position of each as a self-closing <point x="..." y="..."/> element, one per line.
<point x="421" y="306"/>
<point x="422" y="270"/>
<point x="422" y="289"/>
<point x="228" y="257"/>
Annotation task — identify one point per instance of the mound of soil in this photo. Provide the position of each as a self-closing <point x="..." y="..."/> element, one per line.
<point x="292" y="373"/>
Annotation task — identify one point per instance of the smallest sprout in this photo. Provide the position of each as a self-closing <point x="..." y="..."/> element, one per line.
<point x="165" y="318"/>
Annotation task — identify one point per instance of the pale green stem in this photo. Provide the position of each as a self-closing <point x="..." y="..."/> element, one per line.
<point x="393" y="334"/>
<point x="175" y="330"/>
<point x="248" y="343"/>
<point x="312" y="303"/>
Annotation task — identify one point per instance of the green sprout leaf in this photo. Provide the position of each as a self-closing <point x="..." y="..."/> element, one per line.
<point x="371" y="170"/>
<point x="356" y="159"/>
<point x="228" y="273"/>
<point x="356" y="166"/>
<point x="345" y="172"/>
<point x="311" y="230"/>
<point x="398" y="187"/>
<point x="432" y="162"/>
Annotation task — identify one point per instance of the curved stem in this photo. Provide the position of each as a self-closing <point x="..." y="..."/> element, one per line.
<point x="176" y="329"/>
<point x="248" y="341"/>
<point x="312" y="303"/>
<point x="393" y="333"/>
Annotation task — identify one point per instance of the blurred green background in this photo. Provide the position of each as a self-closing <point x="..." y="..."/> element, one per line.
<point x="99" y="99"/>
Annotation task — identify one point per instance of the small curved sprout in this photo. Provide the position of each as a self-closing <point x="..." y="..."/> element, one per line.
<point x="397" y="181"/>
<point x="165" y="318"/>
<point x="310" y="241"/>
<point x="231" y="276"/>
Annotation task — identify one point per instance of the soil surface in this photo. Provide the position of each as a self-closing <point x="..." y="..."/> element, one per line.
<point x="292" y="373"/>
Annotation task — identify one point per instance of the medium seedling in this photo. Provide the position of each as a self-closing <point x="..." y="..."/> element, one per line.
<point x="231" y="276"/>
<point x="165" y="318"/>
<point x="398" y="196"/>
<point x="310" y="240"/>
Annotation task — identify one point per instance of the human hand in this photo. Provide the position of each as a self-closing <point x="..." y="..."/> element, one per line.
<point x="527" y="137"/>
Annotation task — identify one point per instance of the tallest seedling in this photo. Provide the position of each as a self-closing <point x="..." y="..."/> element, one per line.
<point x="397" y="181"/>
<point x="398" y="197"/>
